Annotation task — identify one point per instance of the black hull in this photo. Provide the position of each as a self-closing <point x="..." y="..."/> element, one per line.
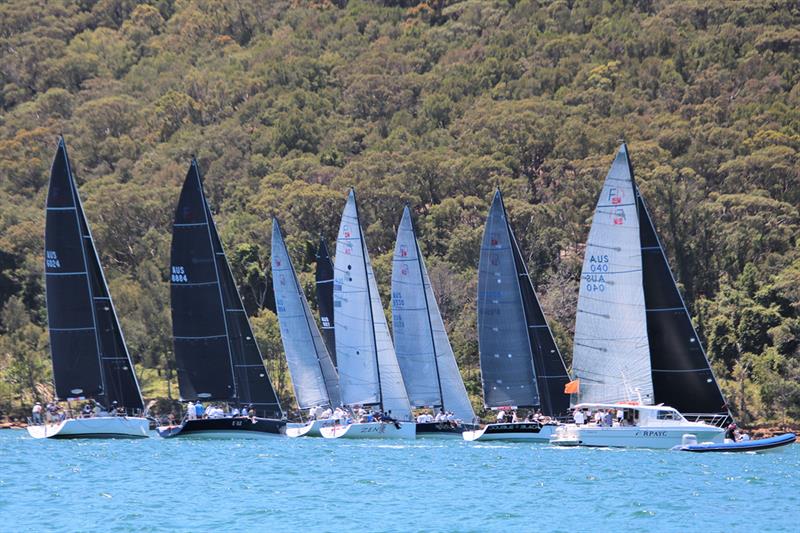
<point x="433" y="429"/>
<point x="237" y="427"/>
<point x="519" y="427"/>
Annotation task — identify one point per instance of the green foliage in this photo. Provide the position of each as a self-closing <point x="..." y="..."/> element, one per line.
<point x="434" y="103"/>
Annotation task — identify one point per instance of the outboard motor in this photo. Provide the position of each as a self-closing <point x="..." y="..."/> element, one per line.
<point x="689" y="439"/>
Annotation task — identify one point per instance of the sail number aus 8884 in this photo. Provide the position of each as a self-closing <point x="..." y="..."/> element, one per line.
<point x="179" y="275"/>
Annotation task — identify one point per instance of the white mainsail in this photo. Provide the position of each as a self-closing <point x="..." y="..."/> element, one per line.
<point x="313" y="374"/>
<point x="611" y="354"/>
<point x="426" y="358"/>
<point x="368" y="368"/>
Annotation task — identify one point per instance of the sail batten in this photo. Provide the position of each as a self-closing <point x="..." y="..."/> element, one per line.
<point x="423" y="349"/>
<point x="88" y="350"/>
<point x="313" y="373"/>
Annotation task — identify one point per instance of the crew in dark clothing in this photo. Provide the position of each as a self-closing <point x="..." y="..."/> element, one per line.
<point x="730" y="433"/>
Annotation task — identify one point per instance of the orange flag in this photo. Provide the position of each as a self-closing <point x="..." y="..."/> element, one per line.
<point x="572" y="387"/>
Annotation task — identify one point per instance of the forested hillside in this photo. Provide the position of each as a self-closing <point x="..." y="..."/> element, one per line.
<point x="288" y="103"/>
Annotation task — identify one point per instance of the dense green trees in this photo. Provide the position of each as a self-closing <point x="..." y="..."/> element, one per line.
<point x="434" y="103"/>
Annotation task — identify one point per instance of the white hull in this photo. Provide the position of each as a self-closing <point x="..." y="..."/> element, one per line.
<point x="108" y="427"/>
<point x="520" y="432"/>
<point x="662" y="437"/>
<point x="371" y="430"/>
<point x="310" y="429"/>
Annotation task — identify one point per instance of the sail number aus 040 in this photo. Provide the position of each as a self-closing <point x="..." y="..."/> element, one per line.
<point x="179" y="274"/>
<point x="595" y="278"/>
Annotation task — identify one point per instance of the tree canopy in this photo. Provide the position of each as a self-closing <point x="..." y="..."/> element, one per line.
<point x="288" y="103"/>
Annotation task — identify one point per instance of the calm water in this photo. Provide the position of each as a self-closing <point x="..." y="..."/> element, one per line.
<point x="311" y="484"/>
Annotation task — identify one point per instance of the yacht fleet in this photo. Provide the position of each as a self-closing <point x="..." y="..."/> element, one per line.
<point x="639" y="376"/>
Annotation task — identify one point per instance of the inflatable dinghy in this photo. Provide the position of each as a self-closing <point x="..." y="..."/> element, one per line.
<point x="741" y="446"/>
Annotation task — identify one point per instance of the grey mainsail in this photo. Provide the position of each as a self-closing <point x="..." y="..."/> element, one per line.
<point x="611" y="355"/>
<point x="429" y="367"/>
<point x="506" y="354"/>
<point x="368" y="370"/>
<point x="313" y="374"/>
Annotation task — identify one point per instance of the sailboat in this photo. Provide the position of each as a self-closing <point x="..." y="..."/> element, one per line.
<point x="324" y="286"/>
<point x="429" y="367"/>
<point x="313" y="374"/>
<point x="216" y="352"/>
<point x="634" y="341"/>
<point x="369" y="374"/>
<point x="520" y="362"/>
<point x="88" y="351"/>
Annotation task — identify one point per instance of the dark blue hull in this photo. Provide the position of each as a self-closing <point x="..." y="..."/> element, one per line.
<point x="238" y="427"/>
<point x="743" y="446"/>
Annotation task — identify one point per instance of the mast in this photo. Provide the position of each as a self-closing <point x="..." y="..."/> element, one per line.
<point x="369" y="299"/>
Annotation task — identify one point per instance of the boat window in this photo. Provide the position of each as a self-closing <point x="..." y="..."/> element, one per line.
<point x="667" y="415"/>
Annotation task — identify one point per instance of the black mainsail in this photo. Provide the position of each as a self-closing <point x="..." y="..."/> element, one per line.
<point x="520" y="363"/>
<point x="216" y="352"/>
<point x="324" y="285"/>
<point x="89" y="354"/>
<point x="682" y="377"/>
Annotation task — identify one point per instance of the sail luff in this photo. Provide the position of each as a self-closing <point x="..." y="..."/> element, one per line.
<point x="611" y="351"/>
<point x="313" y="375"/>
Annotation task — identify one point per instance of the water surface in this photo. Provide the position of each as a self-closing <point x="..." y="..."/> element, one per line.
<point x="280" y="484"/>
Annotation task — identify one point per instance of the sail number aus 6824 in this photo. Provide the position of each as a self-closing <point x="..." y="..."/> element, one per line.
<point x="179" y="274"/>
<point x="51" y="259"/>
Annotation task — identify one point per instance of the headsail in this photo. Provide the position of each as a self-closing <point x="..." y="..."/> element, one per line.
<point x="549" y="367"/>
<point x="426" y="358"/>
<point x="89" y="354"/>
<point x="507" y="370"/>
<point x="313" y="374"/>
<point x="217" y="354"/>
<point x="682" y="377"/>
<point x="611" y="355"/>
<point x="324" y="286"/>
<point x="368" y="370"/>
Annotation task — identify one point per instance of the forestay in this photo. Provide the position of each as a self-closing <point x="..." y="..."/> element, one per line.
<point x="313" y="374"/>
<point x="429" y="368"/>
<point x="368" y="370"/>
<point x="507" y="370"/>
<point x="89" y="354"/>
<point x="611" y="355"/>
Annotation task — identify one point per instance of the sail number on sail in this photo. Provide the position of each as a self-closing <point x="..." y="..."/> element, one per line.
<point x="179" y="274"/>
<point x="595" y="280"/>
<point x="51" y="259"/>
